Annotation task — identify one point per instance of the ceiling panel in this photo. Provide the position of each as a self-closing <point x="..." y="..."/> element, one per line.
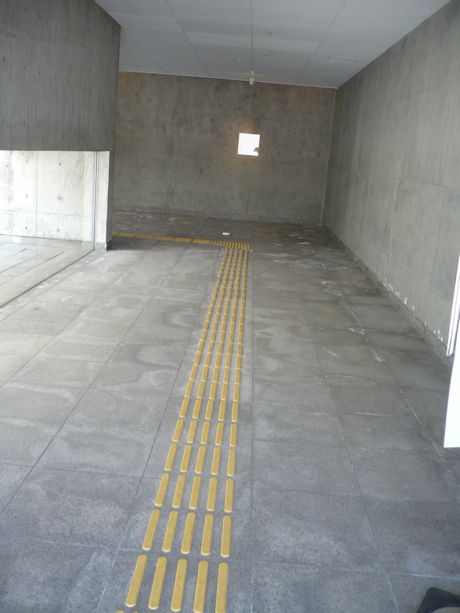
<point x="219" y="40"/>
<point x="308" y="42"/>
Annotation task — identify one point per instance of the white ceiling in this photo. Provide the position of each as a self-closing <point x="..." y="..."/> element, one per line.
<point x="304" y="42"/>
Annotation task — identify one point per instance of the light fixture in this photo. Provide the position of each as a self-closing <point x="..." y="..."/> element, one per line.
<point x="252" y="77"/>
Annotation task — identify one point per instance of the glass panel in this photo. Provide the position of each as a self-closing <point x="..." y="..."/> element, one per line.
<point x="47" y="213"/>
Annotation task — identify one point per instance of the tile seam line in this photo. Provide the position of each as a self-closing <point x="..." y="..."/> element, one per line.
<point x="109" y="575"/>
<point x="379" y="548"/>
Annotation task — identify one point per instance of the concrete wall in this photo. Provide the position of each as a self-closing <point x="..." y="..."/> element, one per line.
<point x="53" y="194"/>
<point x="393" y="194"/>
<point x="58" y="77"/>
<point x="177" y="138"/>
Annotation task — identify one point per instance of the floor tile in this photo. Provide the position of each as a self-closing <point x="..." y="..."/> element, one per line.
<point x="402" y="476"/>
<point x="122" y="451"/>
<point x="409" y="590"/>
<point x="384" y="433"/>
<point x="49" y="578"/>
<point x="11" y="477"/>
<point x="417" y="537"/>
<point x="70" y="508"/>
<point x="322" y="467"/>
<point x="313" y="529"/>
<point x="22" y="441"/>
<point x="298" y="589"/>
<point x="275" y="423"/>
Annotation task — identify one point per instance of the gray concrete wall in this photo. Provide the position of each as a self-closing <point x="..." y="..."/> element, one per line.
<point x="393" y="193"/>
<point x="176" y="147"/>
<point x="58" y="75"/>
<point x="58" y="79"/>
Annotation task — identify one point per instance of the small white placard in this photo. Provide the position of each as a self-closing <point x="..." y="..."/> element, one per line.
<point x="248" y="144"/>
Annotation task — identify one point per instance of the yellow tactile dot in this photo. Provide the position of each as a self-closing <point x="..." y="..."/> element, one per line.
<point x="157" y="583"/>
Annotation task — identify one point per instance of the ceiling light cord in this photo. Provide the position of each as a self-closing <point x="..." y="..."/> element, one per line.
<point x="252" y="75"/>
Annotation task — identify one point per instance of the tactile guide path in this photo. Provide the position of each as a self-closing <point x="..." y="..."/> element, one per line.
<point x="200" y="465"/>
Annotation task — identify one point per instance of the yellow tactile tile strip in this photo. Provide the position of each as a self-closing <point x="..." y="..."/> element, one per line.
<point x="182" y="239"/>
<point x="203" y="448"/>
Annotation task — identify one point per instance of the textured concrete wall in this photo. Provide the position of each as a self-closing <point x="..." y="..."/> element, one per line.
<point x="58" y="75"/>
<point x="393" y="194"/>
<point x="177" y="138"/>
<point x="53" y="194"/>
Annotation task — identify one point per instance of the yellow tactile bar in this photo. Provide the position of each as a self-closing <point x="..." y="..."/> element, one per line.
<point x="157" y="583"/>
<point x="181" y="239"/>
<point x="136" y="581"/>
<point x="201" y="460"/>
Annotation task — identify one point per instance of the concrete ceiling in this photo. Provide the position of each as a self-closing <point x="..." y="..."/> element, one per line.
<point x="304" y="42"/>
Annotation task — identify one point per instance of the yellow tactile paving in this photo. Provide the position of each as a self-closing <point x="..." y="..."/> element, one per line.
<point x="202" y="451"/>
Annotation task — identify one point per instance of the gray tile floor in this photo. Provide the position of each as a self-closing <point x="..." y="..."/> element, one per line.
<point x="345" y="499"/>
